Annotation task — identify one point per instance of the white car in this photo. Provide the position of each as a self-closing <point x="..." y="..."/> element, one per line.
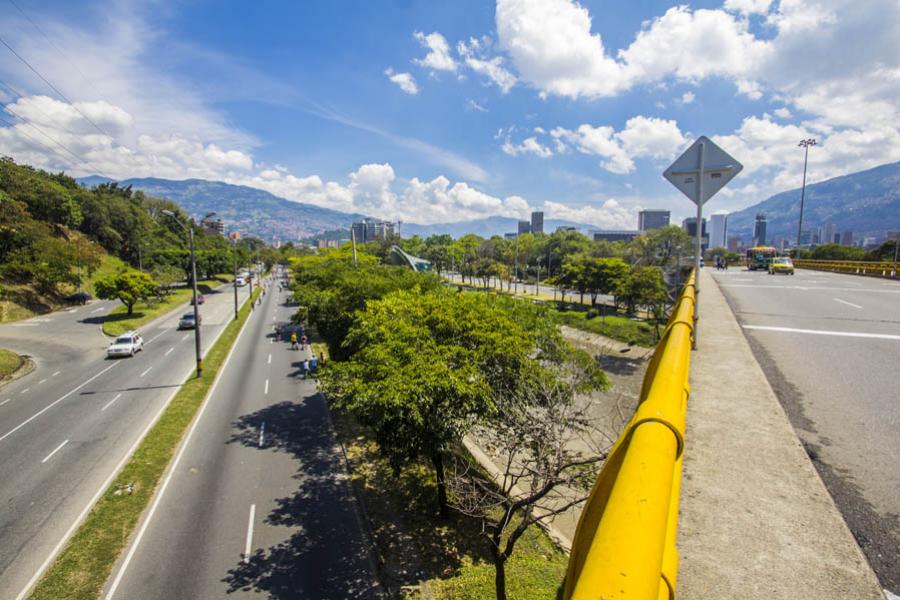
<point x="240" y="282"/>
<point x="127" y="344"/>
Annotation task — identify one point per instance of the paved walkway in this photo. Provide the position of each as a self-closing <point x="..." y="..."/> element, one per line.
<point x="756" y="521"/>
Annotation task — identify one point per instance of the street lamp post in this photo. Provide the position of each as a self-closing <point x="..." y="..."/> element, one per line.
<point x="190" y="232"/>
<point x="234" y="283"/>
<point x="805" y="144"/>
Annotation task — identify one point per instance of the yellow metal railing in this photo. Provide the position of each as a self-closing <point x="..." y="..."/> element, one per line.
<point x="624" y="546"/>
<point x="857" y="267"/>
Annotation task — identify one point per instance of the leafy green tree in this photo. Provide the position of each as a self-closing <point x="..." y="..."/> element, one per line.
<point x="644" y="287"/>
<point x="426" y="365"/>
<point x="663" y="247"/>
<point x="128" y="287"/>
<point x="603" y="275"/>
<point x="837" y="252"/>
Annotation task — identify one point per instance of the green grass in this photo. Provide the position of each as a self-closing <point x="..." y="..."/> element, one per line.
<point x="9" y="363"/>
<point x="118" y="321"/>
<point x="85" y="564"/>
<point x="617" y="327"/>
<point x="429" y="557"/>
<point x="110" y="266"/>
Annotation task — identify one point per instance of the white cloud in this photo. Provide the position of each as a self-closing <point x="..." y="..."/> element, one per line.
<point x="474" y="106"/>
<point x="438" y="57"/>
<point x="474" y="54"/>
<point x="405" y="81"/>
<point x="437" y="201"/>
<point x="528" y="146"/>
<point x="748" y="7"/>
<point x="642" y="137"/>
<point x="783" y="113"/>
<point x="610" y="215"/>
<point x="687" y="97"/>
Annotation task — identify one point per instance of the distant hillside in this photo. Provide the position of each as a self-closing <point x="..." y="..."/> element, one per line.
<point x="251" y="211"/>
<point x="864" y="202"/>
<point x="486" y="227"/>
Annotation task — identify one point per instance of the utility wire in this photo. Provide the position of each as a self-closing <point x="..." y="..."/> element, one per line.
<point x="15" y="92"/>
<point x="53" y="87"/>
<point x="36" y="141"/>
<point x="55" y="47"/>
<point x="46" y="135"/>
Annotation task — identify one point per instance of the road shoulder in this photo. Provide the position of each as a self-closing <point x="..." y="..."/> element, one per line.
<point x="755" y="519"/>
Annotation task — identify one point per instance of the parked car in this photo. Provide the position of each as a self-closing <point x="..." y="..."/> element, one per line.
<point x="187" y="321"/>
<point x="781" y="264"/>
<point x="200" y="299"/>
<point x="79" y="298"/>
<point x="127" y="344"/>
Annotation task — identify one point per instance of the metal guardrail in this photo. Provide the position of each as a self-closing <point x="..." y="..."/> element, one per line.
<point x="624" y="546"/>
<point x="885" y="269"/>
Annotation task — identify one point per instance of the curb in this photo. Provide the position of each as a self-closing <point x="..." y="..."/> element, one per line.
<point x="24" y="369"/>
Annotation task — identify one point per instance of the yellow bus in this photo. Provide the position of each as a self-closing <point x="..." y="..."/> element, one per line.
<point x="759" y="257"/>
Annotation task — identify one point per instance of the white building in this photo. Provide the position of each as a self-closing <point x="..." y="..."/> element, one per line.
<point x="718" y="223"/>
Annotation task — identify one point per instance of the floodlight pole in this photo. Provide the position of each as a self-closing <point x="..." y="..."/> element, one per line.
<point x="805" y="144"/>
<point x="699" y="252"/>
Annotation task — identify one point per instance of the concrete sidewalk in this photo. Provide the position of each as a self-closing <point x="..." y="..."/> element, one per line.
<point x="755" y="519"/>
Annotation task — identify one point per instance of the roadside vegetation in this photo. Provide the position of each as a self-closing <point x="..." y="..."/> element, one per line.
<point x="630" y="330"/>
<point x="417" y="367"/>
<point x="57" y="237"/>
<point x="9" y="363"/>
<point x="85" y="564"/>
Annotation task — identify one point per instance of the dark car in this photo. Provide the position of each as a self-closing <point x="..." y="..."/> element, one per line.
<point x="79" y="298"/>
<point x="200" y="299"/>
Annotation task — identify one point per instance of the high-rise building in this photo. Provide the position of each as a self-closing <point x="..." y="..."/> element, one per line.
<point x="847" y="238"/>
<point x="524" y="227"/>
<point x="216" y="227"/>
<point x="537" y="222"/>
<point x="690" y="226"/>
<point x="718" y="225"/>
<point x="829" y="232"/>
<point x="369" y="230"/>
<point x="759" y="230"/>
<point x="734" y="244"/>
<point x="653" y="219"/>
<point x="610" y="235"/>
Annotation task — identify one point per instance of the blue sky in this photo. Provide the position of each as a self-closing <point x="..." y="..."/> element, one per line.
<point x="443" y="111"/>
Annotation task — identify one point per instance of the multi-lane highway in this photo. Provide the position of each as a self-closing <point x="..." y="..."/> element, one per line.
<point x="830" y="346"/>
<point x="67" y="426"/>
<point x="257" y="500"/>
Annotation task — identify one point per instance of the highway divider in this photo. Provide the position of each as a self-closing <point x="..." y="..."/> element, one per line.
<point x="624" y="546"/>
<point x="884" y="269"/>
<point x="83" y="566"/>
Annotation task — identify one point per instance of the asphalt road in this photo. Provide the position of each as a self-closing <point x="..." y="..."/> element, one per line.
<point x="257" y="501"/>
<point x="830" y="346"/>
<point x="66" y="427"/>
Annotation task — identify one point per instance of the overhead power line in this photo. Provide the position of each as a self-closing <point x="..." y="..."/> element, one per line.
<point x="54" y="88"/>
<point x="10" y="89"/>
<point x="36" y="141"/>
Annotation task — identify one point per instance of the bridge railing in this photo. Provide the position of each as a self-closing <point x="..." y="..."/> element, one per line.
<point x="857" y="267"/>
<point x="624" y="546"/>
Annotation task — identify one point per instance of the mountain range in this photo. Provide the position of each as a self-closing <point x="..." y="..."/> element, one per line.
<point x="867" y="202"/>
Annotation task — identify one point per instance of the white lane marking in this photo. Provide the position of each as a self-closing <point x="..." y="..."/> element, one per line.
<point x="262" y="432"/>
<point x="55" y="374"/>
<point x="270" y="359"/>
<point x="186" y="336"/>
<point x="896" y="289"/>
<point x="249" y="543"/>
<point x="58" y="448"/>
<point x="108" y="404"/>
<point x="847" y="303"/>
<point x="889" y="595"/>
<point x="147" y="371"/>
<point x="267" y="387"/>
<point x="42" y="381"/>
<point x="169" y="351"/>
<point x="156" y="499"/>
<point x="154" y="337"/>
<point x="96" y="310"/>
<point x="877" y="336"/>
<point x="5" y="401"/>
<point x="274" y="317"/>
<point x="49" y="406"/>
<point x="25" y="390"/>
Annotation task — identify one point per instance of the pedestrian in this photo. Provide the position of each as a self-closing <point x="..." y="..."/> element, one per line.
<point x="293" y="340"/>
<point x="303" y="342"/>
<point x="305" y="368"/>
<point x="313" y="364"/>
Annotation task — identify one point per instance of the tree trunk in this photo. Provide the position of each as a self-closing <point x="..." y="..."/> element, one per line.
<point x="130" y="306"/>
<point x="499" y="576"/>
<point x="438" y="461"/>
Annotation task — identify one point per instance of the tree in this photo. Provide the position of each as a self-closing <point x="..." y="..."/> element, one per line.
<point x="426" y="365"/>
<point x="603" y="275"/>
<point x="165" y="276"/>
<point x="549" y="449"/>
<point x="128" y="287"/>
<point x="663" y="246"/>
<point x="644" y="287"/>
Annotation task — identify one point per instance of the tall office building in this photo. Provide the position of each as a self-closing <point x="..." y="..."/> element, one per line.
<point x="718" y="225"/>
<point x="369" y="230"/>
<point x="537" y="222"/>
<point x="829" y="231"/>
<point x="847" y="238"/>
<point x="690" y="226"/>
<point x="759" y="230"/>
<point x="524" y="227"/>
<point x="653" y="219"/>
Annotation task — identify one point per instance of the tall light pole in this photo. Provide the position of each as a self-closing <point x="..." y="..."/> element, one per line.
<point x="805" y="144"/>
<point x="234" y="241"/>
<point x="190" y="231"/>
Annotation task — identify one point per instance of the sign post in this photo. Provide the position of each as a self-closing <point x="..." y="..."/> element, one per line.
<point x="699" y="173"/>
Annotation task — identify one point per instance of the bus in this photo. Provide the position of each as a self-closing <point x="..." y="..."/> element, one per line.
<point x="759" y="257"/>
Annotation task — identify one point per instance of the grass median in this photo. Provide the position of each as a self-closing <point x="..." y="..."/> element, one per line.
<point x="9" y="363"/>
<point x="616" y="326"/>
<point x="82" y="568"/>
<point x="118" y="321"/>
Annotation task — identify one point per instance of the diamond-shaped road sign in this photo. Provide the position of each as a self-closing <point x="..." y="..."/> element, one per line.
<point x="702" y="170"/>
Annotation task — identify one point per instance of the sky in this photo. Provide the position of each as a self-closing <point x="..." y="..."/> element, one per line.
<point x="432" y="112"/>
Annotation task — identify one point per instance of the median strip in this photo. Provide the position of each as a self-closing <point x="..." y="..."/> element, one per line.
<point x="82" y="568"/>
